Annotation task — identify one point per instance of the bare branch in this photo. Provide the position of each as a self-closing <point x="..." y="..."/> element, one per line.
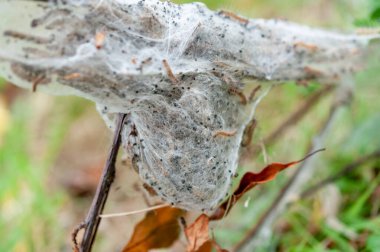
<point x="92" y="221"/>
<point x="298" y="114"/>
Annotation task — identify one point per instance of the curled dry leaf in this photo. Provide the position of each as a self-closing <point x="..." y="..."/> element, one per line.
<point x="159" y="229"/>
<point x="250" y="180"/>
<point x="198" y="236"/>
<point x="197" y="233"/>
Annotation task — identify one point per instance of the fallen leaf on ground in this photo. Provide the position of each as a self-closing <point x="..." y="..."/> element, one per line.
<point x="159" y="229"/>
<point x="250" y="180"/>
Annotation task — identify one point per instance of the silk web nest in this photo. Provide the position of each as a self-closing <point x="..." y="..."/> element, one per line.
<point x="176" y="70"/>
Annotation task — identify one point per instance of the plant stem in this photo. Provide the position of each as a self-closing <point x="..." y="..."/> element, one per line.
<point x="92" y="221"/>
<point x="343" y="172"/>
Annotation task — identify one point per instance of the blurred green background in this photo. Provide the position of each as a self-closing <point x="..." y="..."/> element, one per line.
<point x="52" y="150"/>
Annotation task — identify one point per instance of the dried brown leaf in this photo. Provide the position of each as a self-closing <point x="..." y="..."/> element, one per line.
<point x="198" y="236"/>
<point x="250" y="180"/>
<point x="197" y="233"/>
<point x="159" y="229"/>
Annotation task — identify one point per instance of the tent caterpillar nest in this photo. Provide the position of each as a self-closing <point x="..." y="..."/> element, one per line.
<point x="176" y="70"/>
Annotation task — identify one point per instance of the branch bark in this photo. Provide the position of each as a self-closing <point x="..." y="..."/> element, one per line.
<point x="92" y="221"/>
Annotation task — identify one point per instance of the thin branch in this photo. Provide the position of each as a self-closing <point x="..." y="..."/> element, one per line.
<point x="92" y="221"/>
<point x="298" y="114"/>
<point x="343" y="172"/>
<point x="291" y="190"/>
<point x="291" y="120"/>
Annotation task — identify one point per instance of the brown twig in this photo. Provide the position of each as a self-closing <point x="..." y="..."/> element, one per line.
<point x="292" y="188"/>
<point x="293" y="119"/>
<point x="92" y="221"/>
<point x="297" y="115"/>
<point x="343" y="172"/>
<point x="27" y="37"/>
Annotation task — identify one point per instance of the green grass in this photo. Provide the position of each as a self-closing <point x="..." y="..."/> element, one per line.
<point x="30" y="203"/>
<point x="27" y="208"/>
